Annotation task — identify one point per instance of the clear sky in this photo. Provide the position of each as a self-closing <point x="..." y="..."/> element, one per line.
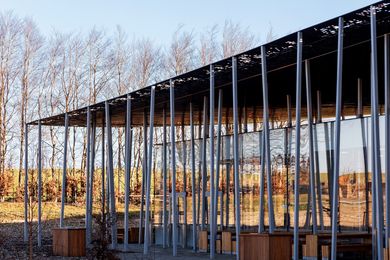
<point x="157" y="20"/>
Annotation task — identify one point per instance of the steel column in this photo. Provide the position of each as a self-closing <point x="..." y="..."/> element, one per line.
<point x="103" y="199"/>
<point x="336" y="165"/>
<point x="149" y="172"/>
<point x="387" y="133"/>
<point x="26" y="197"/>
<point x="297" y="143"/>
<point x="261" y="181"/>
<point x="212" y="181"/>
<point x="204" y="163"/>
<point x="127" y="174"/>
<point x="311" y="147"/>
<point x="39" y="183"/>
<point x="164" y="169"/>
<point x="110" y="172"/>
<point x="359" y="112"/>
<point x="87" y="209"/>
<point x="144" y="172"/>
<point x="375" y="122"/>
<point x="64" y="167"/>
<point x="173" y="165"/>
<point x="91" y="174"/>
<point x="184" y="151"/>
<point x="193" y="181"/>
<point x="218" y="159"/>
<point x="319" y="107"/>
<point x="267" y="158"/>
<point x="236" y="156"/>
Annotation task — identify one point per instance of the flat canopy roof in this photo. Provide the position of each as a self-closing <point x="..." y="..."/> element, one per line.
<point x="319" y="46"/>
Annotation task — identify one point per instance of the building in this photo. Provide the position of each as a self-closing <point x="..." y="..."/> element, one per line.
<point x="325" y="87"/>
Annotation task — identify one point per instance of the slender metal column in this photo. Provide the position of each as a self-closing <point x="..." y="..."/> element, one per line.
<point x="375" y="122"/>
<point x="204" y="163"/>
<point x="164" y="169"/>
<point x="297" y="144"/>
<point x="173" y="165"/>
<point x="193" y="181"/>
<point x="184" y="147"/>
<point x="289" y="116"/>
<point x="359" y="112"/>
<point x="266" y="139"/>
<point x="110" y="172"/>
<point x="87" y="210"/>
<point x="64" y="167"/>
<point x="144" y="172"/>
<point x="91" y="174"/>
<point x="287" y="159"/>
<point x="218" y="159"/>
<point x="329" y="159"/>
<point x="336" y="169"/>
<point x="26" y="197"/>
<point x="317" y="160"/>
<point x="318" y="179"/>
<point x="127" y="174"/>
<point x="311" y="147"/>
<point x="39" y="183"/>
<point x="387" y="133"/>
<point x="236" y="156"/>
<point x="261" y="180"/>
<point x="365" y="163"/>
<point x="149" y="172"/>
<point x="212" y="181"/>
<point x="319" y="107"/>
<point x="228" y="167"/>
<point x="103" y="199"/>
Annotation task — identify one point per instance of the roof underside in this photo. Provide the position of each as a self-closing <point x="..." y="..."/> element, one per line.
<point x="319" y="46"/>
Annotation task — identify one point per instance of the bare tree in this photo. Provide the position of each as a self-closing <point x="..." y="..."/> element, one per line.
<point x="31" y="58"/>
<point x="181" y="52"/>
<point x="208" y="47"/>
<point x="236" y="39"/>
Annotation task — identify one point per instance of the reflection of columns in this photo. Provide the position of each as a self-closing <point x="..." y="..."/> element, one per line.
<point x="387" y="134"/>
<point x="25" y="227"/>
<point x="375" y="134"/>
<point x="336" y="173"/>
<point x="128" y="144"/>
<point x="212" y="182"/>
<point x="267" y="157"/>
<point x="110" y="172"/>
<point x="149" y="172"/>
<point x="297" y="143"/>
<point x="236" y="156"/>
<point x="311" y="147"/>
<point x="164" y="161"/>
<point x="64" y="166"/>
<point x="39" y="183"/>
<point x="193" y="182"/>
<point x="173" y="165"/>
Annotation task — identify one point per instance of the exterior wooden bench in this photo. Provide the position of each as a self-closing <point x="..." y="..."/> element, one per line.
<point x="263" y="246"/>
<point x="364" y="249"/>
<point x="69" y="242"/>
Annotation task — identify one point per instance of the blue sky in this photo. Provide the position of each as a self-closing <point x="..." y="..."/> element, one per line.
<point x="157" y="20"/>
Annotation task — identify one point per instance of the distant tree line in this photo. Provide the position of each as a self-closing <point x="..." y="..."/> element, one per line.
<point x="43" y="75"/>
